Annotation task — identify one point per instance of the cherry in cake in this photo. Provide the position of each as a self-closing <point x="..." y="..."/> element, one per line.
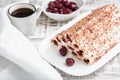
<point x="92" y="37"/>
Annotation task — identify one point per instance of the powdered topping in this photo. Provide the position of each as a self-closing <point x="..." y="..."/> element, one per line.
<point x="92" y="37"/>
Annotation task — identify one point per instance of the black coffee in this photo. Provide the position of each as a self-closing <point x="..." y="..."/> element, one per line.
<point x="22" y="12"/>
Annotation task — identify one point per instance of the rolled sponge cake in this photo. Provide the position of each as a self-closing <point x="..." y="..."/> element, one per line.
<point x="92" y="37"/>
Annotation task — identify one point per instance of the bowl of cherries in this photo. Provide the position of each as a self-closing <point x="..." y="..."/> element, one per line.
<point x="61" y="10"/>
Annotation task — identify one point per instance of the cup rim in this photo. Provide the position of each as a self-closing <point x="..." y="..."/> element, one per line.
<point x="23" y="7"/>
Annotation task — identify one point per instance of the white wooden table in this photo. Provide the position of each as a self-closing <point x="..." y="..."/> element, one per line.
<point x="45" y="26"/>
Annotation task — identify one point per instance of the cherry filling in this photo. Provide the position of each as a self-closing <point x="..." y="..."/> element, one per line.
<point x="70" y="48"/>
<point x="80" y="53"/>
<point x="74" y="53"/>
<point x="58" y="39"/>
<point x="55" y="42"/>
<point x="75" y="45"/>
<point x="63" y="39"/>
<point x="68" y="38"/>
<point x="86" y="61"/>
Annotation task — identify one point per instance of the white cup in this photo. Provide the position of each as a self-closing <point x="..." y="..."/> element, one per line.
<point x="26" y="24"/>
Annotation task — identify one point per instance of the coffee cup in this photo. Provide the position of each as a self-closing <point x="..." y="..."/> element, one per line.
<point x="24" y="16"/>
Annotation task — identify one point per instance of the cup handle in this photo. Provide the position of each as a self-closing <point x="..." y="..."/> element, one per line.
<point x="38" y="7"/>
<point x="38" y="11"/>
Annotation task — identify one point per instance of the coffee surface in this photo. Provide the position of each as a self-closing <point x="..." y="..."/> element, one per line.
<point x="22" y="12"/>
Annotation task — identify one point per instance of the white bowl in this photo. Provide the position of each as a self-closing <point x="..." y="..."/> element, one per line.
<point x="62" y="17"/>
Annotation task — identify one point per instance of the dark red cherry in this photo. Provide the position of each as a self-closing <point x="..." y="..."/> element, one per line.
<point x="63" y="51"/>
<point x="64" y="0"/>
<point x="61" y="11"/>
<point x="51" y="5"/>
<point x="73" y="3"/>
<point x="66" y="4"/>
<point x="62" y="6"/>
<point x="75" y="8"/>
<point x="49" y="10"/>
<point x="67" y="11"/>
<point x="56" y="2"/>
<point x="55" y="10"/>
<point x="59" y="0"/>
<point x="70" y="61"/>
<point x="59" y="5"/>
